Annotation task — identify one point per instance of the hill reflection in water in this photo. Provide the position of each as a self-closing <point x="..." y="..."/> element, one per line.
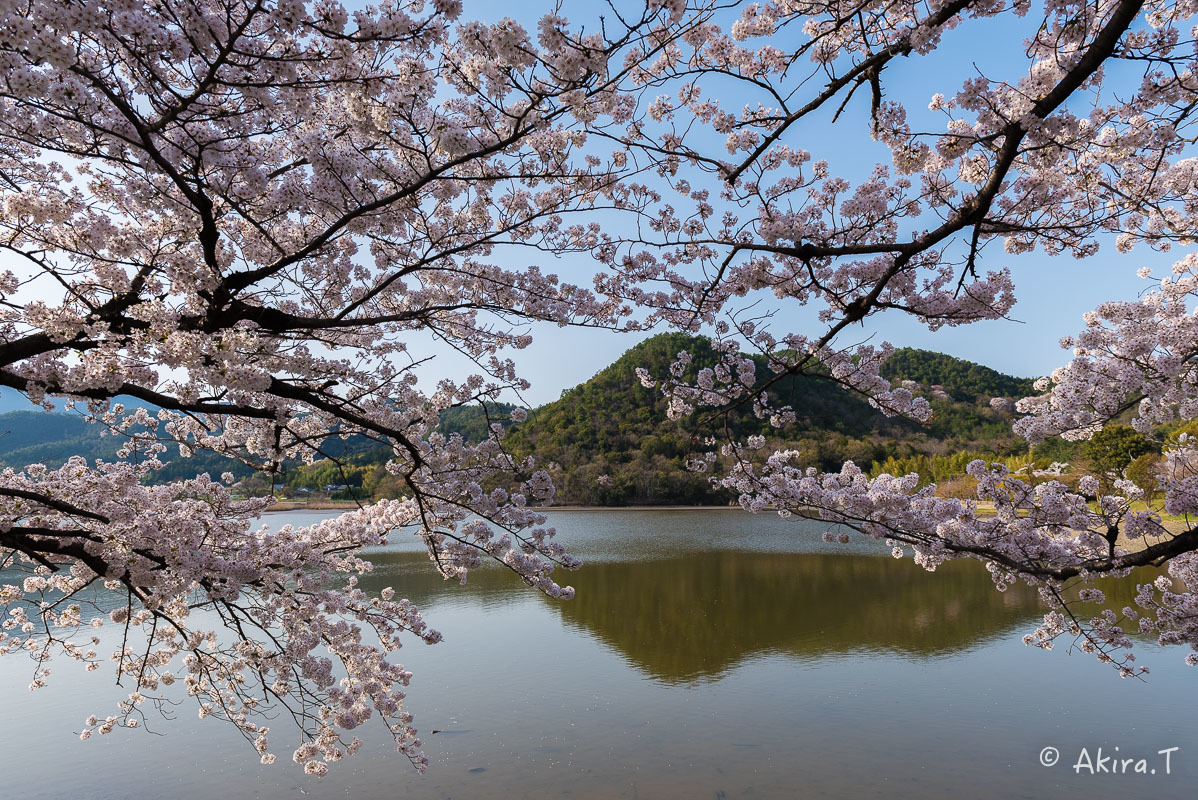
<point x="695" y="616"/>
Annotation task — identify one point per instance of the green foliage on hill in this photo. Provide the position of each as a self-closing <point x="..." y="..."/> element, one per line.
<point x="473" y="423"/>
<point x="614" y="413"/>
<point x="609" y="442"/>
<point x="964" y="380"/>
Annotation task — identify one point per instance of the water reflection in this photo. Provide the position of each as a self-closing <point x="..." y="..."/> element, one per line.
<point x="695" y="616"/>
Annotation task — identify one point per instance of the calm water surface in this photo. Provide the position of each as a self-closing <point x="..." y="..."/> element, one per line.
<point x="708" y="654"/>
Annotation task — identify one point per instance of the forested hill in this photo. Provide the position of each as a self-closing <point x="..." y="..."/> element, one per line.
<point x="609" y="441"/>
<point x="36" y="436"/>
<point x="964" y="380"/>
<point x="612" y="412"/>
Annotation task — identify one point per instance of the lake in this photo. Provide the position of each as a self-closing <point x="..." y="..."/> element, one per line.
<point x="708" y="654"/>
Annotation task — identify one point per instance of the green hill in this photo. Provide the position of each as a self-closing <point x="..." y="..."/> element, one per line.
<point x="609" y="441"/>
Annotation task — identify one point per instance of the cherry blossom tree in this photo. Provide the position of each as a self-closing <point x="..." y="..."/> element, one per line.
<point x="227" y="226"/>
<point x="246" y="215"/>
<point x="1082" y="149"/>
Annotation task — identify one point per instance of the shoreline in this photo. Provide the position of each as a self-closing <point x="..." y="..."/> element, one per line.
<point x="1172" y="526"/>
